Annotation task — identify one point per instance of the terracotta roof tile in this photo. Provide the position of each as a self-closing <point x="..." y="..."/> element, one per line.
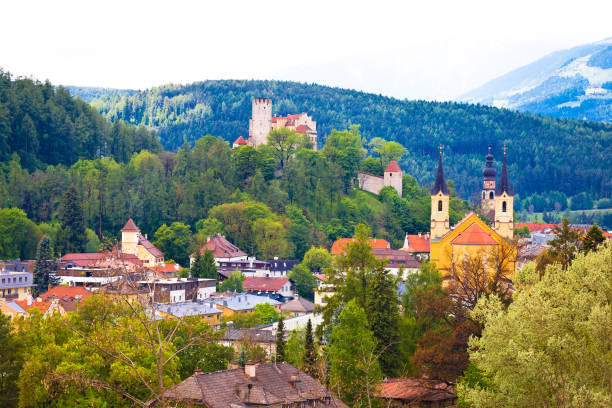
<point x="263" y="284"/>
<point x="417" y="243"/>
<point x="393" y="167"/>
<point x="130" y="226"/>
<point x="340" y="244"/>
<point x="474" y="235"/>
<point x="415" y="389"/>
<point x="240" y="141"/>
<point x="68" y="292"/>
<point x="150" y="247"/>
<point x="222" y="248"/>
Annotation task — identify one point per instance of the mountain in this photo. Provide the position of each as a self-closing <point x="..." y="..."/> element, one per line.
<point x="544" y="154"/>
<point x="574" y="83"/>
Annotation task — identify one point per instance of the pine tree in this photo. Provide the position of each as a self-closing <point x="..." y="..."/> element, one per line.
<point x="72" y="236"/>
<point x="564" y="247"/>
<point x="280" y="340"/>
<point x="593" y="238"/>
<point x="209" y="267"/>
<point x="197" y="269"/>
<point x="242" y="358"/>
<point x="310" y="354"/>
<point x="384" y="320"/>
<point x="44" y="269"/>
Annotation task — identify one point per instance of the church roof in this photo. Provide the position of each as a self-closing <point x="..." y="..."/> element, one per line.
<point x="474" y="235"/>
<point x="489" y="171"/>
<point x="504" y="183"/>
<point x="393" y="167"/>
<point x="130" y="227"/>
<point x="440" y="184"/>
<point x="303" y="129"/>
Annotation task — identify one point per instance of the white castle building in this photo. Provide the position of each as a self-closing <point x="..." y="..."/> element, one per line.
<point x="392" y="177"/>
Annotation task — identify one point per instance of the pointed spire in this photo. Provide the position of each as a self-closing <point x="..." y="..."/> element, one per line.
<point x="504" y="183"/>
<point x="440" y="184"/>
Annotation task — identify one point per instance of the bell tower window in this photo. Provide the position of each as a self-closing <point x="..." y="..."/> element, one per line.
<point x="503" y="206"/>
<point x="491" y="195"/>
<point x="439" y="205"/>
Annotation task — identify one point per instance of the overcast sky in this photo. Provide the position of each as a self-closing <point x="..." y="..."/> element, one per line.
<point x="408" y="49"/>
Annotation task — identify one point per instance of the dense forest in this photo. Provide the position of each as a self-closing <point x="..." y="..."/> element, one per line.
<point x="544" y="154"/>
<point x="45" y="125"/>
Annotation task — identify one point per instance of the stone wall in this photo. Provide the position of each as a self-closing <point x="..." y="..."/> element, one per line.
<point x="370" y="182"/>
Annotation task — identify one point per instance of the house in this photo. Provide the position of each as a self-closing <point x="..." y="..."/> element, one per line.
<point x="417" y="245"/>
<point x="67" y="297"/>
<point x="281" y="267"/>
<point x="179" y="289"/>
<point x="274" y="385"/>
<point x="241" y="141"/>
<point x="248" y="267"/>
<point x="15" y="285"/>
<point x="205" y="310"/>
<point x="222" y="249"/>
<point x="236" y="338"/>
<point x="241" y="303"/>
<point x="19" y="308"/>
<point x="296" y="323"/>
<point x="339" y="246"/>
<point x="133" y="242"/>
<point x="397" y="260"/>
<point x="298" y="306"/>
<point x="323" y="290"/>
<point x="256" y="284"/>
<point x="416" y="392"/>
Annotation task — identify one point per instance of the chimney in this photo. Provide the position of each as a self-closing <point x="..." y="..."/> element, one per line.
<point x="29" y="300"/>
<point x="250" y="370"/>
<point x="419" y="235"/>
<point x="197" y="371"/>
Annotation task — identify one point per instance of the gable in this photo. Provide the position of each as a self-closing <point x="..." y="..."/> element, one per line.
<point x="464" y="224"/>
<point x="474" y="235"/>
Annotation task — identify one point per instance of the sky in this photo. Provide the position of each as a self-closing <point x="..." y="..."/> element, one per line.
<point x="432" y="49"/>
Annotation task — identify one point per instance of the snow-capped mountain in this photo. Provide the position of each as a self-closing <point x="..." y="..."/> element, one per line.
<point x="574" y="83"/>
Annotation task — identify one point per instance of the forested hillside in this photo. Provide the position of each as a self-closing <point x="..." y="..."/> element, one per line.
<point x="46" y="125"/>
<point x="545" y="154"/>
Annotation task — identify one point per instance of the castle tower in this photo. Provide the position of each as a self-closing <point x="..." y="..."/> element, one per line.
<point x="393" y="177"/>
<point x="261" y="121"/>
<point x="487" y="203"/>
<point x="129" y="238"/>
<point x="504" y="205"/>
<point x="440" y="197"/>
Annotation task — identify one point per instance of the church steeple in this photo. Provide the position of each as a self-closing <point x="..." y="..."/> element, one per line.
<point x="440" y="184"/>
<point x="487" y="203"/>
<point x="504" y="205"/>
<point x="439" y="204"/>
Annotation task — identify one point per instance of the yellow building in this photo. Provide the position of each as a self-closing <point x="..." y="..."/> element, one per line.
<point x="471" y="243"/>
<point x="134" y="243"/>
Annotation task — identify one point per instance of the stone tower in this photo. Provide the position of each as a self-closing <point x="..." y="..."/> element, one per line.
<point x="261" y="121"/>
<point x="487" y="203"/>
<point x="129" y="238"/>
<point x="393" y="177"/>
<point x="440" y="197"/>
<point x="504" y="205"/>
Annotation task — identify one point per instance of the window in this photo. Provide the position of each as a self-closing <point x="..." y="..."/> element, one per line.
<point x="439" y="205"/>
<point x="504" y="206"/>
<point x="483" y="195"/>
<point x="491" y="195"/>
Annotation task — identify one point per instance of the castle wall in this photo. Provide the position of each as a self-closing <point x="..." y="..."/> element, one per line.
<point x="370" y="182"/>
<point x="394" y="179"/>
<point x="261" y="121"/>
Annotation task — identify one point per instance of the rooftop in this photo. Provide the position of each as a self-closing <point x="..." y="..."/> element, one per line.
<point x="415" y="389"/>
<point x="188" y="309"/>
<point x="298" y="305"/>
<point x="263" y="284"/>
<point x="474" y="235"/>
<point x="222" y="248"/>
<point x="243" y="301"/>
<point x="339" y="246"/>
<point x="130" y="226"/>
<point x="393" y="167"/>
<point x="67" y="292"/>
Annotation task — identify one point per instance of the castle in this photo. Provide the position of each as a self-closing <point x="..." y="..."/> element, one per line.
<point x="262" y="122"/>
<point x="134" y="243"/>
<point x="392" y="177"/>
<point x="472" y="237"/>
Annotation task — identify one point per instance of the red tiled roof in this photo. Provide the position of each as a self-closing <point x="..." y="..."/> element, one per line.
<point x="69" y="292"/>
<point x="240" y="141"/>
<point x="418" y="243"/>
<point x="99" y="259"/>
<point x="295" y="116"/>
<point x="321" y="277"/>
<point x="474" y="235"/>
<point x="340" y="244"/>
<point x="303" y="129"/>
<point x="263" y="284"/>
<point x="396" y="258"/>
<point x="150" y="247"/>
<point x="533" y="227"/>
<point x="42" y="306"/>
<point x="130" y="226"/>
<point x="393" y="167"/>
<point x="413" y="390"/>
<point x="222" y="248"/>
<point x="170" y="267"/>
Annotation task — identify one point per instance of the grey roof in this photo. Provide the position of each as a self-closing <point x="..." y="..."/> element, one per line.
<point x="298" y="305"/>
<point x="282" y="264"/>
<point x="243" y="301"/>
<point x="188" y="308"/>
<point x="255" y="335"/>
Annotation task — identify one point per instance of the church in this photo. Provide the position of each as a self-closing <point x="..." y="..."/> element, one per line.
<point x="473" y="238"/>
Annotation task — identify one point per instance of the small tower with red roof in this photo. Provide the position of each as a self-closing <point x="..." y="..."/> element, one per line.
<point x="393" y="176"/>
<point x="129" y="238"/>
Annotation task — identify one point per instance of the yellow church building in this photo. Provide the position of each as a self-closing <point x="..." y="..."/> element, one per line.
<point x="472" y="239"/>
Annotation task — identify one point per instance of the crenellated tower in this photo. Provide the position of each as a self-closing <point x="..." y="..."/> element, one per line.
<point x="260" y="123"/>
<point x="440" y="198"/>
<point x="487" y="203"/>
<point x="504" y="205"/>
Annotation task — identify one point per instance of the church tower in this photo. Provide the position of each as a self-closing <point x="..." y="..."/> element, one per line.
<point x="504" y="205"/>
<point x="261" y="121"/>
<point x="487" y="203"/>
<point x="129" y="238"/>
<point x="440" y="197"/>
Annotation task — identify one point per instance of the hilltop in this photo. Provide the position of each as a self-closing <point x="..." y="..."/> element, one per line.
<point x="574" y="83"/>
<point x="545" y="154"/>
